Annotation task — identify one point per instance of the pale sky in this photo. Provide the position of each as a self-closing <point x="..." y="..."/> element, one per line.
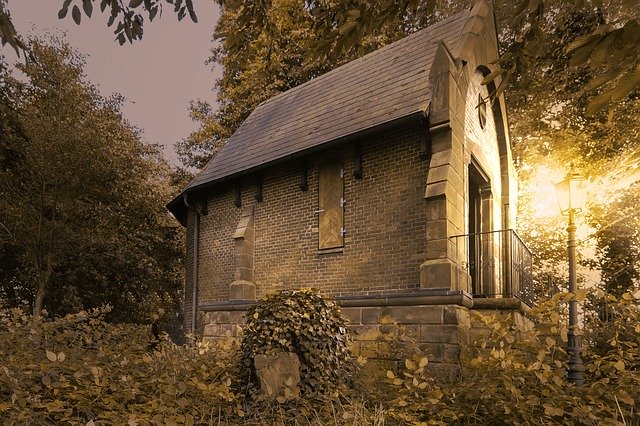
<point x="158" y="75"/>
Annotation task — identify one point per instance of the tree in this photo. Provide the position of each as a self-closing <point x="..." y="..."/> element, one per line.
<point x="129" y="17"/>
<point x="262" y="60"/>
<point x="81" y="198"/>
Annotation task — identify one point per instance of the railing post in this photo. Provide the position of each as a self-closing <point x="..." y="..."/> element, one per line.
<point x="508" y="264"/>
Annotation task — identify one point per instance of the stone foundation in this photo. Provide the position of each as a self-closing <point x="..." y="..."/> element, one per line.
<point x="393" y="333"/>
<point x="390" y="329"/>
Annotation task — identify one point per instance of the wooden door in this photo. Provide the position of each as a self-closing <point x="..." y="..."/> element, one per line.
<point x="475" y="236"/>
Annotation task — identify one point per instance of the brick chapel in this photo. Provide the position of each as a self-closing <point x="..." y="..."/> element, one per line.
<point x="387" y="184"/>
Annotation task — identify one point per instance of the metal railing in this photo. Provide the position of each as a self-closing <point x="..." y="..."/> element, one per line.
<point x="497" y="264"/>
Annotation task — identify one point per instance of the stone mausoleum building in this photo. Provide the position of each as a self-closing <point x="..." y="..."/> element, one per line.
<point x="386" y="183"/>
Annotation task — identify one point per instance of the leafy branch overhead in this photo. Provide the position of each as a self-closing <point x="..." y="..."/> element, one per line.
<point x="131" y="19"/>
<point x="128" y="17"/>
<point x="614" y="47"/>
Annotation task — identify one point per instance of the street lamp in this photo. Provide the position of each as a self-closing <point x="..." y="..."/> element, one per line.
<point x="571" y="198"/>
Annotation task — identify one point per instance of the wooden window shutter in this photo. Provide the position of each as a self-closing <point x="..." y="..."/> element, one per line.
<point x="331" y="210"/>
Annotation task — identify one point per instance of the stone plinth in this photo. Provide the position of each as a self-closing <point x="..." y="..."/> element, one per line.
<point x="279" y="375"/>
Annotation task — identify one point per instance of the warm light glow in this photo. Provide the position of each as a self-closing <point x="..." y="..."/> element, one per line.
<point x="571" y="192"/>
<point x="542" y="192"/>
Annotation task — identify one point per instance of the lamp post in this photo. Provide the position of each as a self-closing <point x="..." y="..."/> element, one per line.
<point x="571" y="198"/>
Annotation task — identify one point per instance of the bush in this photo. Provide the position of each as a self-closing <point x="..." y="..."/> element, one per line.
<point x="523" y="380"/>
<point x="79" y="369"/>
<point x="304" y="323"/>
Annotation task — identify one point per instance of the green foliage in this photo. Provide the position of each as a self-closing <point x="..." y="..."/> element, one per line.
<point x="552" y="128"/>
<point x="304" y="323"/>
<point x="260" y="60"/>
<point x="516" y="374"/>
<point x="79" y="368"/>
<point x="82" y="216"/>
<point x="128" y="15"/>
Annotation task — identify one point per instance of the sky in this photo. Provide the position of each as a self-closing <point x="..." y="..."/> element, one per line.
<point x="158" y="75"/>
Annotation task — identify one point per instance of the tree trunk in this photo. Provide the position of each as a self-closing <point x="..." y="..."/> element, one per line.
<point x="42" y="278"/>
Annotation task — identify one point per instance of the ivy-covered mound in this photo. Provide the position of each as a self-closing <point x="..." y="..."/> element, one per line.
<point x="304" y="323"/>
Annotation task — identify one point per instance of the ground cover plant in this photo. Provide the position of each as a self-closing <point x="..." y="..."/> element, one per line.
<point x="79" y="369"/>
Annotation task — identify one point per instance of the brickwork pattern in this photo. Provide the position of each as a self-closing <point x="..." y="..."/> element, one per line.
<point x="384" y="218"/>
<point x="216" y="266"/>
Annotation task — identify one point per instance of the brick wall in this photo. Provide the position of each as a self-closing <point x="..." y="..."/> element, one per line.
<point x="384" y="219"/>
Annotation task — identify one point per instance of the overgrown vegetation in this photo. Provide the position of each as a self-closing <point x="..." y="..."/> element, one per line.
<point x="82" y="216"/>
<point x="80" y="369"/>
<point x="304" y="323"/>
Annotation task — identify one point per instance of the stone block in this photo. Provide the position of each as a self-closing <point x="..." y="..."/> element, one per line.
<point x="440" y="334"/>
<point x="442" y="188"/>
<point x="456" y="218"/>
<point x="279" y="375"/>
<point x="409" y="333"/>
<point x="423" y="314"/>
<point x="457" y="315"/>
<point x="482" y="8"/>
<point x="436" y="208"/>
<point x="353" y="314"/>
<point x="243" y="274"/>
<point x="479" y="335"/>
<point x="441" y="140"/>
<point x="434" y="351"/>
<point x="474" y="25"/>
<point x="370" y="315"/>
<point x="449" y="158"/>
<point x="445" y="173"/>
<point x="451" y="353"/>
<point x="366" y="333"/>
<point x="438" y="173"/>
<point x="438" y="273"/>
<point x="437" y="229"/>
<point x="242" y="290"/>
<point x="438" y="249"/>
<point x="244" y="260"/>
<point x="440" y="158"/>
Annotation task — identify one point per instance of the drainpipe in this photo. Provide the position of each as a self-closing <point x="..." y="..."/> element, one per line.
<point x="194" y="267"/>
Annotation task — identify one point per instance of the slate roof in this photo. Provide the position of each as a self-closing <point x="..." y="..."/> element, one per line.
<point x="381" y="87"/>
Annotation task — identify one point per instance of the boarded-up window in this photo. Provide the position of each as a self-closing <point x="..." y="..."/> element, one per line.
<point x="331" y="210"/>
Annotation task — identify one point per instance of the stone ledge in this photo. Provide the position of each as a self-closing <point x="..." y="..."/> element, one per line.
<point x="420" y="297"/>
<point x="502" y="303"/>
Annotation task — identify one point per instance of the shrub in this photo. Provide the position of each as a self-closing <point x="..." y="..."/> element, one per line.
<point x="80" y="369"/>
<point x="304" y="323"/>
<point x="523" y="381"/>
